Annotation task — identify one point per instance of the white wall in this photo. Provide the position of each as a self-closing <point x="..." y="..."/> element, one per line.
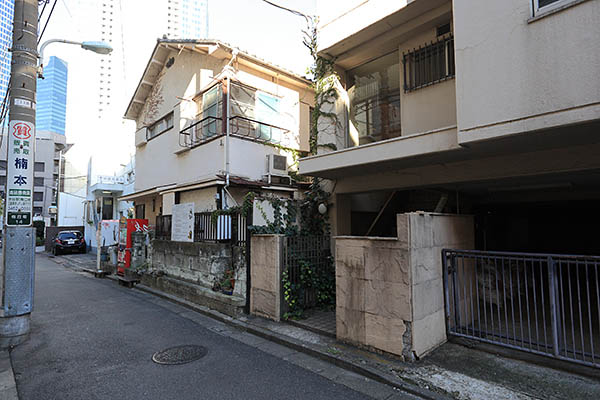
<point x="71" y="208"/>
<point x="521" y="75"/>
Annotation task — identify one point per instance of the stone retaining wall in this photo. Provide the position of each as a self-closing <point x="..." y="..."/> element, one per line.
<point x="199" y="262"/>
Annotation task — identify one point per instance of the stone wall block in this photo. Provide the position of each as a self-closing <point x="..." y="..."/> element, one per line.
<point x="350" y="259"/>
<point x="428" y="333"/>
<point x="421" y="230"/>
<point x="428" y="298"/>
<point x="426" y="264"/>
<point x="389" y="264"/>
<point x="350" y="325"/>
<point x="350" y="293"/>
<point x="263" y="303"/>
<point x="403" y="227"/>
<point x="388" y="299"/>
<point x="384" y="333"/>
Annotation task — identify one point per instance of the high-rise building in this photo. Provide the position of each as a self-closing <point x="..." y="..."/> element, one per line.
<point x="187" y="19"/>
<point x="6" y="18"/>
<point x="52" y="97"/>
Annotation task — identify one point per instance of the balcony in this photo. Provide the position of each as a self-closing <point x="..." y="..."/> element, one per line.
<point x="255" y="115"/>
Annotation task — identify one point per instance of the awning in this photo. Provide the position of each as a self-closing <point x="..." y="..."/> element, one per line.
<point x="145" y="192"/>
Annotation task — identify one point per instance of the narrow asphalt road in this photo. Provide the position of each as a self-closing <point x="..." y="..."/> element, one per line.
<point x="92" y="339"/>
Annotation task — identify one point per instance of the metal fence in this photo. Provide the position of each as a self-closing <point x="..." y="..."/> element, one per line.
<point x="163" y="227"/>
<point x="225" y="228"/>
<point x="312" y="250"/>
<point x="541" y="303"/>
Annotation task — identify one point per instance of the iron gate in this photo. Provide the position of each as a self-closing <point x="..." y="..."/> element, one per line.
<point x="541" y="303"/>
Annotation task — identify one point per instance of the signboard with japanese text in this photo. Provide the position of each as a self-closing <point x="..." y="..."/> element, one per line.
<point x="19" y="180"/>
<point x="182" y="223"/>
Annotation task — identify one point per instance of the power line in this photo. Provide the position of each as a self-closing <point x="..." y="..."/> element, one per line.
<point x="47" y="20"/>
<point x="298" y="13"/>
<point x="43" y="8"/>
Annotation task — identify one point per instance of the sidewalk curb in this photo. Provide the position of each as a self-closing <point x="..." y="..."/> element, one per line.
<point x="297" y="345"/>
<point x="8" y="385"/>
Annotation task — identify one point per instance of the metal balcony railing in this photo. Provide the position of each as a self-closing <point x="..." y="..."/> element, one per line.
<point x="208" y="128"/>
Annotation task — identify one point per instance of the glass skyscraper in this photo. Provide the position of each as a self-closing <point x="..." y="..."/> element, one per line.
<point x="187" y="19"/>
<point x="6" y="18"/>
<point x="52" y="97"/>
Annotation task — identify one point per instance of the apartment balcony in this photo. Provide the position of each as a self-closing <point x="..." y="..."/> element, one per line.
<point x="254" y="115"/>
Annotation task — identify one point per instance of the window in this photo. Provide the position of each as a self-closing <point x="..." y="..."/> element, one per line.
<point x="160" y="126"/>
<point x="107" y="208"/>
<point x="374" y="91"/>
<point x="38" y="181"/>
<point x="428" y="65"/>
<point x="38" y="196"/>
<point x="37" y="210"/>
<point x="211" y="112"/>
<point x="267" y="110"/>
<point x="2" y="164"/>
<point x="140" y="211"/>
<point x="542" y="6"/>
<point x="39" y="167"/>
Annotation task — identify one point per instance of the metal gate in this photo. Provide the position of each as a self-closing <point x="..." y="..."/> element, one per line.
<point x="547" y="304"/>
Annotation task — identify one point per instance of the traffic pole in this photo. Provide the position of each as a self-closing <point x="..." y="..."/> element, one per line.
<point x="19" y="235"/>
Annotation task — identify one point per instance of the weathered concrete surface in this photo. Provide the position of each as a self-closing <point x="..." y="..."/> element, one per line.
<point x="265" y="271"/>
<point x="8" y="386"/>
<point x="389" y="291"/>
<point x="199" y="262"/>
<point x="229" y="305"/>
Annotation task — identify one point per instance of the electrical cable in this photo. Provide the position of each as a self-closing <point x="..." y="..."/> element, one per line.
<point x="43" y="8"/>
<point x="47" y="20"/>
<point x="298" y="13"/>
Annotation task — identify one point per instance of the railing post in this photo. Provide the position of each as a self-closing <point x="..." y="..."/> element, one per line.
<point x="552" y="289"/>
<point x="446" y="289"/>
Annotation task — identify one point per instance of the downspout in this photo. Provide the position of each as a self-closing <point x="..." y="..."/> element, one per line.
<point x="229" y="69"/>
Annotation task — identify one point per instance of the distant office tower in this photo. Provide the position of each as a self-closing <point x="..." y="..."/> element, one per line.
<point x="187" y="19"/>
<point x="6" y="18"/>
<point x="52" y="97"/>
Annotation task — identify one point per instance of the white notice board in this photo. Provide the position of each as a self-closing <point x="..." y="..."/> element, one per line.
<point x="182" y="224"/>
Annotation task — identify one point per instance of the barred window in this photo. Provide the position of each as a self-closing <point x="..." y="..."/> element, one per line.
<point x="428" y="65"/>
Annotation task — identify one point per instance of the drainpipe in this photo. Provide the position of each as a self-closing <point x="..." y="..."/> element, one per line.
<point x="229" y="69"/>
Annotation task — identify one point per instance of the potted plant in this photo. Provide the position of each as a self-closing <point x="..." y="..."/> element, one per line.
<point x="228" y="282"/>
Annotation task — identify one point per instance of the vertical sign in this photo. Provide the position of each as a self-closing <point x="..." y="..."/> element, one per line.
<point x="19" y="180"/>
<point x="182" y="223"/>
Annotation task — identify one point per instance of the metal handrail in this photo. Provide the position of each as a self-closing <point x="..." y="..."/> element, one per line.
<point x="187" y="133"/>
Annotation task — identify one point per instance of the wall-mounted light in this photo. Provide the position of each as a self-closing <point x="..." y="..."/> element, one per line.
<point x="322" y="209"/>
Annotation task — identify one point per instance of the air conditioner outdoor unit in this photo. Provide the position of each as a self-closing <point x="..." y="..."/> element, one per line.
<point x="277" y="166"/>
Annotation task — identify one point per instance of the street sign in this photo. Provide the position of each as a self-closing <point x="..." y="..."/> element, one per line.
<point x="19" y="182"/>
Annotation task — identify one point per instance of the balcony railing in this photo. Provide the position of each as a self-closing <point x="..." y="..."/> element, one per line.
<point x="208" y="128"/>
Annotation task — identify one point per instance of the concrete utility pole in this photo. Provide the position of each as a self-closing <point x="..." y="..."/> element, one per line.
<point x="19" y="243"/>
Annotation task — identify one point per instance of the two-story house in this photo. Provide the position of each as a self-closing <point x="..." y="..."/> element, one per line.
<point x="487" y="109"/>
<point x="214" y="123"/>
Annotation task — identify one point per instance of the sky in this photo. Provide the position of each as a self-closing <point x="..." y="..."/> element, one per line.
<point x="252" y="25"/>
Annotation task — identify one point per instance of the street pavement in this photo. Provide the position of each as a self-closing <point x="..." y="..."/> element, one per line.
<point x="92" y="339"/>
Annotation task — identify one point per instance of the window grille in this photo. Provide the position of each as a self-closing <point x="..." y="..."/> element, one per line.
<point x="428" y="65"/>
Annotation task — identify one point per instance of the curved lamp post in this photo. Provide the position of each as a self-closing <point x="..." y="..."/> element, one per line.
<point x="97" y="47"/>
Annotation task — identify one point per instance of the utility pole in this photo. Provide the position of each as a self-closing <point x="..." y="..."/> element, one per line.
<point x="19" y="243"/>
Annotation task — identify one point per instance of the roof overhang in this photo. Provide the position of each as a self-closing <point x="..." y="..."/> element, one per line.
<point x="165" y="47"/>
<point x="146" y="192"/>
<point x="383" y="36"/>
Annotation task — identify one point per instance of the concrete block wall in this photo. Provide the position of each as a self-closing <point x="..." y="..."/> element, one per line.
<point x="389" y="291"/>
<point x="199" y="262"/>
<point x="265" y="276"/>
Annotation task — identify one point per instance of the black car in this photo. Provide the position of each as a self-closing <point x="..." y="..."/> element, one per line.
<point x="69" y="241"/>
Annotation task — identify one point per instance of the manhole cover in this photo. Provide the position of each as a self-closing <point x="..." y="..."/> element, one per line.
<point x="179" y="355"/>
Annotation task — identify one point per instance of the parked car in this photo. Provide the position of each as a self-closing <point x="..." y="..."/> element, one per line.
<point x="68" y="241"/>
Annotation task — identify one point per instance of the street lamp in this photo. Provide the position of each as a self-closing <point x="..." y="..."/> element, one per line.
<point x="97" y="47"/>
